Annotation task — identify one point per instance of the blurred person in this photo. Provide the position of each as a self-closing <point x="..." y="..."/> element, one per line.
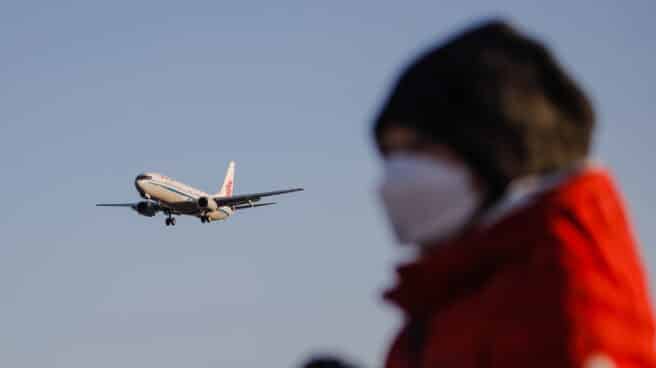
<point x="525" y="253"/>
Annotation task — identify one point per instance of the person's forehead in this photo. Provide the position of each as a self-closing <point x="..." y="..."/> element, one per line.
<point x="399" y="138"/>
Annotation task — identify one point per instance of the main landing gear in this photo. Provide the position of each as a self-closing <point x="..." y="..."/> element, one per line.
<point x="204" y="219"/>
<point x="170" y="220"/>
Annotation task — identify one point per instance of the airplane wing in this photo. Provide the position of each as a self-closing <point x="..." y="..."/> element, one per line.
<point x="138" y="206"/>
<point x="248" y="199"/>
<point x="145" y="208"/>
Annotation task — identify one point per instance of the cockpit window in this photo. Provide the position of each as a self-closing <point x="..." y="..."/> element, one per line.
<point x="144" y="177"/>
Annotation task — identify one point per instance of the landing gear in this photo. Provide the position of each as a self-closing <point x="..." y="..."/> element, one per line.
<point x="170" y="220"/>
<point x="204" y="219"/>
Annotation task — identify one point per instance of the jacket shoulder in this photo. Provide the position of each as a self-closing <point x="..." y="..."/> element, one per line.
<point x="604" y="287"/>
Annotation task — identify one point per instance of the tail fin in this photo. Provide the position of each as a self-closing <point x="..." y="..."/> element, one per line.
<point x="228" y="182"/>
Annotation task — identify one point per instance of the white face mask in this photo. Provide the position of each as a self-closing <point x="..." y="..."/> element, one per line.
<point x="426" y="199"/>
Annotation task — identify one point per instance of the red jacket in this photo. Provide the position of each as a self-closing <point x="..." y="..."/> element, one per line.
<point x="558" y="283"/>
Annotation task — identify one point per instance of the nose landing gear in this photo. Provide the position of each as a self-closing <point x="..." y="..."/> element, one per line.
<point x="170" y="220"/>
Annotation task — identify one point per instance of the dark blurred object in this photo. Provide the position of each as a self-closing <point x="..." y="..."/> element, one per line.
<point x="327" y="362"/>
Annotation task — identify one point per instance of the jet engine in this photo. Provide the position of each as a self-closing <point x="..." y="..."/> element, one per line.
<point x="207" y="204"/>
<point x="147" y="208"/>
<point x="218" y="215"/>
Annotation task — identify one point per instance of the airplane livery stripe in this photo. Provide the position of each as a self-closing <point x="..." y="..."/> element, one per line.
<point x="174" y="190"/>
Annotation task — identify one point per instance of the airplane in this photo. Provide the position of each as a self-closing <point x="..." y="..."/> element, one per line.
<point x="171" y="197"/>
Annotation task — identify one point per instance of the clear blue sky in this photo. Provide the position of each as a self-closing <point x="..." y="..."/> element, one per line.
<point x="92" y="93"/>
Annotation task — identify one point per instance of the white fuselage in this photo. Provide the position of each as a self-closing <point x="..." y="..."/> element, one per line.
<point x="180" y="197"/>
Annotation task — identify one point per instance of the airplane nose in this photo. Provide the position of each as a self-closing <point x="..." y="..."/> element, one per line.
<point x="137" y="184"/>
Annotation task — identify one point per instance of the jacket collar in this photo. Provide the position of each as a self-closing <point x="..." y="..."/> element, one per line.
<point x="522" y="192"/>
<point x="450" y="271"/>
<point x="455" y="268"/>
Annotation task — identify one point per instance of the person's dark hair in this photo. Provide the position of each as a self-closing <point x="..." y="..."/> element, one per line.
<point x="497" y="98"/>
